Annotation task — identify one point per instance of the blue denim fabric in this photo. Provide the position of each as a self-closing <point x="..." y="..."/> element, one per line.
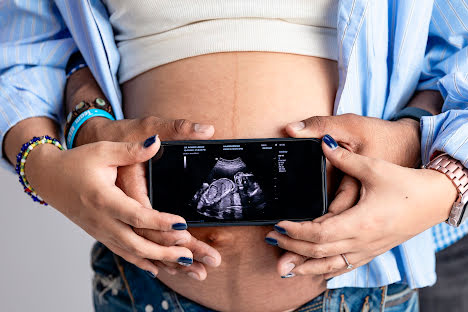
<point x="119" y="286"/>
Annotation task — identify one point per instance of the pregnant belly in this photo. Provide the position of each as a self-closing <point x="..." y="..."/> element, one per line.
<point x="244" y="95"/>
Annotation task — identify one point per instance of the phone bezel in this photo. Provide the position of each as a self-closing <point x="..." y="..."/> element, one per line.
<point x="233" y="141"/>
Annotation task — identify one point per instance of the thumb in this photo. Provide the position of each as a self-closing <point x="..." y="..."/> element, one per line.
<point x="129" y="153"/>
<point x="348" y="162"/>
<point x="318" y="126"/>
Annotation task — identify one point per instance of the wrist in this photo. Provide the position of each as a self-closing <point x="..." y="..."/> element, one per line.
<point x="41" y="162"/>
<point x="91" y="131"/>
<point x="441" y="184"/>
<point x="409" y="135"/>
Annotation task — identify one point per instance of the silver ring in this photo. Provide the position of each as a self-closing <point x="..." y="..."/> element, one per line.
<point x="349" y="265"/>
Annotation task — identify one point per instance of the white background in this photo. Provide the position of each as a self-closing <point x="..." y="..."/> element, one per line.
<point x="44" y="257"/>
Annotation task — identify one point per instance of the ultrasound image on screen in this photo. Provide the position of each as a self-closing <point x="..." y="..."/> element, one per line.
<point x="251" y="181"/>
<point x="230" y="192"/>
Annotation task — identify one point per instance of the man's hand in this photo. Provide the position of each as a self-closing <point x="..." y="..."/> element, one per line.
<point x="396" y="203"/>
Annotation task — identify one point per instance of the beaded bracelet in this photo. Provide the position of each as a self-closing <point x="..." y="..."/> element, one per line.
<point x="82" y="107"/>
<point x="21" y="161"/>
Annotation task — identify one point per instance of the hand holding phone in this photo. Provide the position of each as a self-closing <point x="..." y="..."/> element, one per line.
<point x="239" y="182"/>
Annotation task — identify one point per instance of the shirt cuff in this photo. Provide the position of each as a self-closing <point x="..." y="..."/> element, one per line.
<point x="446" y="132"/>
<point x="18" y="105"/>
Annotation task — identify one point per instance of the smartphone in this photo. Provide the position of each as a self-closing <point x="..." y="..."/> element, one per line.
<point x="239" y="182"/>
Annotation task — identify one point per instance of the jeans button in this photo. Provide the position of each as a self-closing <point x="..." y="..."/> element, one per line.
<point x="149" y="308"/>
<point x="165" y="305"/>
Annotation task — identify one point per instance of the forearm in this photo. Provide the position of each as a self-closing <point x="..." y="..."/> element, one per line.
<point x="429" y="100"/>
<point x="24" y="131"/>
<point x="81" y="86"/>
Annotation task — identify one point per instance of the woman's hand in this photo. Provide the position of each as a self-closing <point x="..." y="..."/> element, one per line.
<point x="80" y="183"/>
<point x="131" y="179"/>
<point x="395" y="204"/>
<point x="394" y="141"/>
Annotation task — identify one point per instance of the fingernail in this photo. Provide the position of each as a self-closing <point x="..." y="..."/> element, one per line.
<point x="299" y="125"/>
<point x="201" y="128"/>
<point x="289" y="267"/>
<point x="209" y="260"/>
<point x="193" y="275"/>
<point x="185" y="261"/>
<point x="179" y="226"/>
<point x="151" y="274"/>
<point x="149" y="141"/>
<point x="279" y="229"/>
<point x="271" y="241"/>
<point x="330" y="142"/>
<point x="290" y="274"/>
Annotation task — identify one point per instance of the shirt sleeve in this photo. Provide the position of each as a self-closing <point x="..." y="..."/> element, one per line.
<point x="446" y="70"/>
<point x="34" y="49"/>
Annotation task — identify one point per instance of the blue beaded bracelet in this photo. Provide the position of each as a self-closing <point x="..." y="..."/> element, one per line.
<point x="21" y="162"/>
<point x="81" y="119"/>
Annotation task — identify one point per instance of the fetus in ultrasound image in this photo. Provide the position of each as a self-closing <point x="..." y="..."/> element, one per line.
<point x="230" y="192"/>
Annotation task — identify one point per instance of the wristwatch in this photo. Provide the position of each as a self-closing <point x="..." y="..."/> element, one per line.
<point x="458" y="174"/>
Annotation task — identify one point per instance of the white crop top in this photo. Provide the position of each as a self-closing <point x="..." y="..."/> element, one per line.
<point x="150" y="33"/>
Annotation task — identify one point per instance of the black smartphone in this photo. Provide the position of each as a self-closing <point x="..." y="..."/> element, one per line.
<point x="239" y="182"/>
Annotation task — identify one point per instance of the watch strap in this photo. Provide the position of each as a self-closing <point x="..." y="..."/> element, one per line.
<point x="414" y="113"/>
<point x="458" y="174"/>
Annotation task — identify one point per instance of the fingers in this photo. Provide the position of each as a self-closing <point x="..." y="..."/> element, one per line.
<point x="355" y="165"/>
<point x="287" y="262"/>
<point x="203" y="252"/>
<point x="318" y="126"/>
<point x="142" y="263"/>
<point x="180" y="129"/>
<point x="334" y="228"/>
<point x="311" y="250"/>
<point x="132" y="181"/>
<point x="346" y="196"/>
<point x="127" y="153"/>
<point x="196" y="271"/>
<point x="129" y="211"/>
<point x="325" y="266"/>
<point x="169" y="238"/>
<point x="141" y="247"/>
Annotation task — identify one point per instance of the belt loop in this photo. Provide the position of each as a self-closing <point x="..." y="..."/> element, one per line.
<point x="384" y="297"/>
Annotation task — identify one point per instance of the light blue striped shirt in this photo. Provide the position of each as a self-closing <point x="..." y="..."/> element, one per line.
<point x="387" y="49"/>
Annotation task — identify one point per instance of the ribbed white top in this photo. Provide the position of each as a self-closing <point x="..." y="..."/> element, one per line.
<point x="150" y="33"/>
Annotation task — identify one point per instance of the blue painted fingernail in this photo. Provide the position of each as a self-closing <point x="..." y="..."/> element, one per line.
<point x="330" y="142"/>
<point x="150" y="141"/>
<point x="150" y="274"/>
<point x="185" y="261"/>
<point x="290" y="274"/>
<point x="179" y="226"/>
<point x="271" y="241"/>
<point x="280" y="229"/>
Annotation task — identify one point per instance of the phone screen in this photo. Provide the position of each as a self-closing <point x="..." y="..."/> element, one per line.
<point x="225" y="182"/>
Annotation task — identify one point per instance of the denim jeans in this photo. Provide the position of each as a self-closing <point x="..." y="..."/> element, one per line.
<point x="119" y="286"/>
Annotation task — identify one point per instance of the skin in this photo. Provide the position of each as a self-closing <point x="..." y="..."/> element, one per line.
<point x="397" y="142"/>
<point x="171" y="128"/>
<point x="381" y="215"/>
